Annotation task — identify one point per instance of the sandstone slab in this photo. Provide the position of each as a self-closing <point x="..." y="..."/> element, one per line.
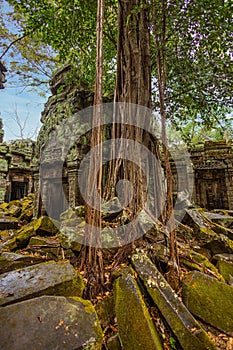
<point x="48" y="278"/>
<point x="187" y="330"/>
<point x="11" y="261"/>
<point x="210" y="300"/>
<point x="50" y="323"/>
<point x="225" y="266"/>
<point x="136" y="329"/>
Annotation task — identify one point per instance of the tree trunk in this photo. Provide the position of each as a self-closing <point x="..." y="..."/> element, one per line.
<point x="169" y="219"/>
<point x="133" y="86"/>
<point x="92" y="260"/>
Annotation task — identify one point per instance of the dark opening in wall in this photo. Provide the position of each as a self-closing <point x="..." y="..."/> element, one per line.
<point x="18" y="190"/>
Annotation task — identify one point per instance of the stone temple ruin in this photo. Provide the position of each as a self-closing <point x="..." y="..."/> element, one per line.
<point x="19" y="166"/>
<point x="16" y="179"/>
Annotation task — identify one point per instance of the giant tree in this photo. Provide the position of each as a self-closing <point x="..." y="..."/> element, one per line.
<point x="186" y="43"/>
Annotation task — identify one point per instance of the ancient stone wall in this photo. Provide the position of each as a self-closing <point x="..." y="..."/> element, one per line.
<point x="15" y="169"/>
<point x="66" y="100"/>
<point x="213" y="169"/>
<point x="212" y="161"/>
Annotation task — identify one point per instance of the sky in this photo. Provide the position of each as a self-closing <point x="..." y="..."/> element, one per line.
<point x="29" y="106"/>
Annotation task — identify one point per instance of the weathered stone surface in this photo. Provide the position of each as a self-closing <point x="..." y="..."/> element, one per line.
<point x="197" y="261"/>
<point x="5" y="235"/>
<point x="15" y="210"/>
<point x="219" y="218"/>
<point x="146" y="222"/>
<point x="48" y="247"/>
<point x="106" y="311"/>
<point x="210" y="300"/>
<point x="136" y="329"/>
<point x="220" y="244"/>
<point x="8" y="223"/>
<point x="73" y="213"/>
<point x="187" y="330"/>
<point x="50" y="322"/>
<point x="20" y="238"/>
<point x="37" y="241"/>
<point x="225" y="266"/>
<point x="113" y="343"/>
<point x="71" y="234"/>
<point x="42" y="279"/>
<point x="202" y="227"/>
<point x="45" y="226"/>
<point x="113" y="206"/>
<point x="11" y="261"/>
<point x="23" y="235"/>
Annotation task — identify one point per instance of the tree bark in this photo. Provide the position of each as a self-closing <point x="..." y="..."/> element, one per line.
<point x="133" y="86"/>
<point x="169" y="219"/>
<point x="92" y="259"/>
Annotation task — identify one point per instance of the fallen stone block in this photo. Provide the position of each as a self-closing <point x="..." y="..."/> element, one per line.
<point x="8" y="223"/>
<point x="45" y="226"/>
<point x="48" y="278"/>
<point x="11" y="261"/>
<point x="187" y="330"/>
<point x="197" y="261"/>
<point x="50" y="322"/>
<point x="210" y="300"/>
<point x="136" y="329"/>
<point x="225" y="266"/>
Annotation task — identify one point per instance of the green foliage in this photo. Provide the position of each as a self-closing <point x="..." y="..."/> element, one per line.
<point x="198" y="49"/>
<point x="69" y="28"/>
<point x="172" y="342"/>
<point x="29" y="61"/>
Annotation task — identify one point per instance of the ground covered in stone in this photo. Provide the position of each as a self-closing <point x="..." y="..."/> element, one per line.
<point x="41" y="289"/>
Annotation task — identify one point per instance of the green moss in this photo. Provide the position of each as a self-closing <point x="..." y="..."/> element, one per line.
<point x="23" y="236"/>
<point x="4" y="206"/>
<point x="226" y="269"/>
<point x="106" y="311"/>
<point x="45" y="224"/>
<point x="136" y="329"/>
<point x="186" y="329"/>
<point x="89" y="309"/>
<point x="210" y="300"/>
<point x="196" y="261"/>
<point x="10" y="245"/>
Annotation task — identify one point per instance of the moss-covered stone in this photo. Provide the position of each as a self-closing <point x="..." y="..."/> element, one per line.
<point x="5" y="235"/>
<point x="23" y="235"/>
<point x="4" y="206"/>
<point x="225" y="266"/>
<point x="220" y="244"/>
<point x="73" y="213"/>
<point x="136" y="329"/>
<point x="15" y="211"/>
<point x="203" y="228"/>
<point x="9" y="245"/>
<point x="196" y="261"/>
<point x="50" y="322"/>
<point x="27" y="209"/>
<point x="45" y="226"/>
<point x="210" y="300"/>
<point x="71" y="235"/>
<point x="44" y="241"/>
<point x="15" y="202"/>
<point x="186" y="329"/>
<point x="11" y="261"/>
<point x="42" y="279"/>
<point x="106" y="311"/>
<point x="113" y="343"/>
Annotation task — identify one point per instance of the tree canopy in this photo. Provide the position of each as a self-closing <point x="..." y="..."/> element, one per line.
<point x="198" y="45"/>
